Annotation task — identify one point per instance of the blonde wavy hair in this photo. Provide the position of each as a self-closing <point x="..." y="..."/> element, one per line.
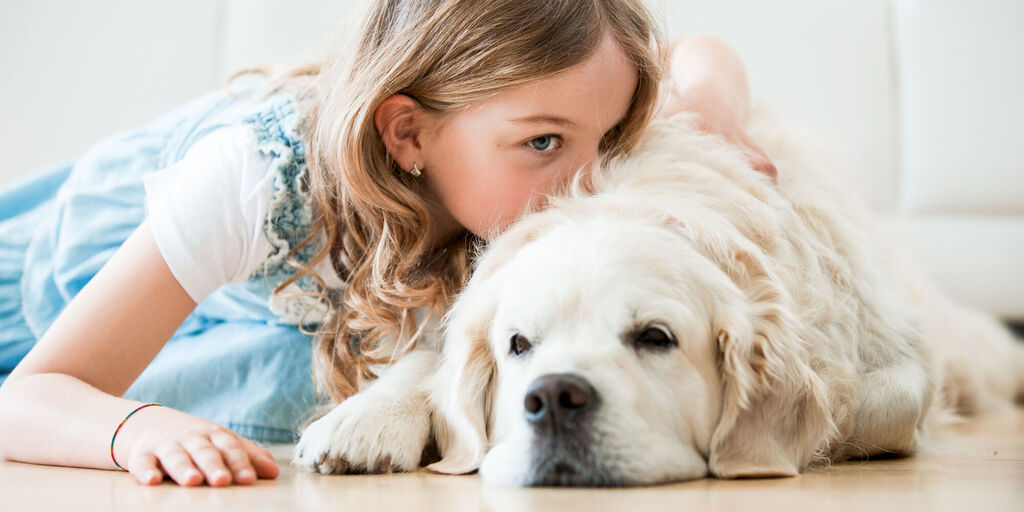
<point x="447" y="55"/>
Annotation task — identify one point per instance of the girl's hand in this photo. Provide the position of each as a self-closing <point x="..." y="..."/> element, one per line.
<point x="190" y="450"/>
<point x="716" y="119"/>
<point x="707" y="78"/>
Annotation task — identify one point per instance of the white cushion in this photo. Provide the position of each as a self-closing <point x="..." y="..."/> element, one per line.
<point x="920" y="98"/>
<point x="962" y="90"/>
<point x="975" y="259"/>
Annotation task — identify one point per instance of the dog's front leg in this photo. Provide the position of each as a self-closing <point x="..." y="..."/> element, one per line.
<point x="383" y="428"/>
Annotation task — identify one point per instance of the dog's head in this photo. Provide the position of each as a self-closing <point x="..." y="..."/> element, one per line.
<point x="594" y="349"/>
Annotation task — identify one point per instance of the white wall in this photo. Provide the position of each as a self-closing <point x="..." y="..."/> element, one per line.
<point x="920" y="99"/>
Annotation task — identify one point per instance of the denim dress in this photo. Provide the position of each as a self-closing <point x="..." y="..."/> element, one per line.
<point x="240" y="359"/>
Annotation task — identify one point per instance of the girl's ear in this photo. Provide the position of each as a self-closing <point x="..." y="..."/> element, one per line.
<point x="399" y="120"/>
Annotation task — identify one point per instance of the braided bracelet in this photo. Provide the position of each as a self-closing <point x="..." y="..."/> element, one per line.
<point x="137" y="409"/>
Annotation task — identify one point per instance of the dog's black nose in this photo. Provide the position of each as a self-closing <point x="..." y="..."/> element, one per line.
<point x="558" y="398"/>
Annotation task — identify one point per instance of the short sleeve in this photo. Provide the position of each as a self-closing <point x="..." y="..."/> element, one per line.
<point x="207" y="211"/>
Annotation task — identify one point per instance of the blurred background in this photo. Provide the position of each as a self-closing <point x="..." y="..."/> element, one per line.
<point x="921" y="99"/>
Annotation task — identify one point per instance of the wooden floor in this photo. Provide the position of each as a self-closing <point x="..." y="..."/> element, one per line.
<point x="980" y="468"/>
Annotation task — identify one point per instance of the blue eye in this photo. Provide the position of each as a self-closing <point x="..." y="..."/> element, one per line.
<point x="544" y="143"/>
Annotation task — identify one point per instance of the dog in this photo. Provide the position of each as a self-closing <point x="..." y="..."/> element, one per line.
<point x="677" y="315"/>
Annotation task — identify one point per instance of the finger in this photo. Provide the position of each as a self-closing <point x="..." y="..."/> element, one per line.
<point x="765" y="166"/>
<point x="209" y="460"/>
<point x="266" y="467"/>
<point x="234" y="454"/>
<point x="256" y="450"/>
<point x="262" y="460"/>
<point x="178" y="465"/>
<point x="146" y="469"/>
<point x="759" y="161"/>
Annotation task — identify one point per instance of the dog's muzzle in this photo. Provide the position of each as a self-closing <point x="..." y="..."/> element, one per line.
<point x="560" y="407"/>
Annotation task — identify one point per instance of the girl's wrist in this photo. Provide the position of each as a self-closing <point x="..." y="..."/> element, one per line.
<point x="117" y="431"/>
<point x="135" y="428"/>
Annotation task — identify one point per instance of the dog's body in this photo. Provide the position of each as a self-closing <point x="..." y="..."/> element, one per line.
<point x="688" y="317"/>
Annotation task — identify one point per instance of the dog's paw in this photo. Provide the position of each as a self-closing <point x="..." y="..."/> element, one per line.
<point x="366" y="434"/>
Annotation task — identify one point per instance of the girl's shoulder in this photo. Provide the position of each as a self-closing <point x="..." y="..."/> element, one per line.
<point x="207" y="209"/>
<point x="238" y="203"/>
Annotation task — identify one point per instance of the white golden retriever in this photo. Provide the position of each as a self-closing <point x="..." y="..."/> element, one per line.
<point x="687" y="318"/>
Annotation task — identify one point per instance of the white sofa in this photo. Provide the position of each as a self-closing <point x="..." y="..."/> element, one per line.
<point x="921" y="98"/>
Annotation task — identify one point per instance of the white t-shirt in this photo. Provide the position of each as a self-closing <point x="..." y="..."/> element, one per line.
<point x="207" y="212"/>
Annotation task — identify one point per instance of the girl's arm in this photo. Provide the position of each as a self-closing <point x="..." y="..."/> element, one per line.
<point x="61" y="404"/>
<point x="707" y="77"/>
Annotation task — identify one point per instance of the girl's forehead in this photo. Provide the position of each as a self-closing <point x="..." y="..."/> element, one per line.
<point x="595" y="93"/>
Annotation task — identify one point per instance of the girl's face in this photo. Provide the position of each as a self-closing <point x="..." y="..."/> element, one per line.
<point x="486" y="164"/>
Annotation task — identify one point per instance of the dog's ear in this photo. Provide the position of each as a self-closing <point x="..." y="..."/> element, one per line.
<point x="463" y="386"/>
<point x="465" y="381"/>
<point x="775" y="412"/>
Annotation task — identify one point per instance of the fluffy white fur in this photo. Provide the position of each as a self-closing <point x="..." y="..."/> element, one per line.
<point x="799" y="335"/>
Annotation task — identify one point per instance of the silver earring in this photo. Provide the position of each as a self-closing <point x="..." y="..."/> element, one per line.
<point x="415" y="171"/>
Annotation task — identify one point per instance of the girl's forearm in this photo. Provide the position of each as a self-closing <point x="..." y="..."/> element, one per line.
<point x="56" y="419"/>
<point x="707" y="76"/>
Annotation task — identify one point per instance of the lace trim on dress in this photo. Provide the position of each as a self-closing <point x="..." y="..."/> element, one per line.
<point x="289" y="218"/>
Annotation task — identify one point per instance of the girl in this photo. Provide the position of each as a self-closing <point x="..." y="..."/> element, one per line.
<point x="187" y="263"/>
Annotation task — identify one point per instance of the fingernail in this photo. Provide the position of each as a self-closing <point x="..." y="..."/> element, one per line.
<point x="220" y="475"/>
<point x="152" y="476"/>
<point x="245" y="473"/>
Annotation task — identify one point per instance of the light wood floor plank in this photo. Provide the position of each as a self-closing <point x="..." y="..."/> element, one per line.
<point x="978" y="466"/>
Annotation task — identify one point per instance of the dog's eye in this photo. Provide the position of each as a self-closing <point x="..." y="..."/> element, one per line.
<point x="654" y="337"/>
<point x="519" y="344"/>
